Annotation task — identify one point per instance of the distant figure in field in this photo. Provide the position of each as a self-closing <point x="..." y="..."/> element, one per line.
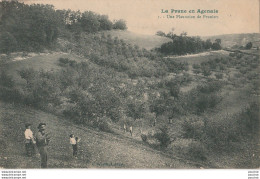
<point x="154" y="122"/>
<point x="74" y="142"/>
<point x="42" y="141"/>
<point x="29" y="140"/>
<point x="131" y="130"/>
<point x="170" y="121"/>
<point x="124" y="128"/>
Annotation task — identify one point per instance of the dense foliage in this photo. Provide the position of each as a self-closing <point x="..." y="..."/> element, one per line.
<point x="183" y="44"/>
<point x="36" y="27"/>
<point x="116" y="83"/>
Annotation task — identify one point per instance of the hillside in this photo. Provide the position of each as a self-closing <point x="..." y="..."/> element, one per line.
<point x="143" y="41"/>
<point x="96" y="149"/>
<point x="101" y="149"/>
<point x="36" y="61"/>
<point x="80" y="76"/>
<point x="229" y="40"/>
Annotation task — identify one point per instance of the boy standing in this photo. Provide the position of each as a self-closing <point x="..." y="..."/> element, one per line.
<point x="74" y="142"/>
<point x="29" y="140"/>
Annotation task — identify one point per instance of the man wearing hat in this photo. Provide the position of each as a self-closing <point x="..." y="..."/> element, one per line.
<point x="42" y="141"/>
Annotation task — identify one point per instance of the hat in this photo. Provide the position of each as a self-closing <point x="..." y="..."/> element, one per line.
<point x="27" y="125"/>
<point x="40" y="125"/>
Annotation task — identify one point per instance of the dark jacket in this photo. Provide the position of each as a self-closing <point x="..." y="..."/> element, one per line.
<point x="42" y="139"/>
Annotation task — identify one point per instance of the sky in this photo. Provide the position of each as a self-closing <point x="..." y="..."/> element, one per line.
<point x="234" y="16"/>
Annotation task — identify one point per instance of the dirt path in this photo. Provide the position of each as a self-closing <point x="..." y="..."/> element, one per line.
<point x="96" y="150"/>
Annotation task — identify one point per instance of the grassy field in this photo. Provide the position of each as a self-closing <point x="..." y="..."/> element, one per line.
<point x="200" y="57"/>
<point x="40" y="61"/>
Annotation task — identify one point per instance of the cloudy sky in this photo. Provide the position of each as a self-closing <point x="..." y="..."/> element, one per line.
<point x="234" y="16"/>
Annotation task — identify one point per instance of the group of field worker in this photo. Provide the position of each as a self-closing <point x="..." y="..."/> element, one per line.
<point x="42" y="139"/>
<point x="130" y="129"/>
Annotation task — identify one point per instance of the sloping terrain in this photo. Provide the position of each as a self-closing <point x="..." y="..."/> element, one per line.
<point x="40" y="61"/>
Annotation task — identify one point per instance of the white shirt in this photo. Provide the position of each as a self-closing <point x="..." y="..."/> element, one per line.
<point x="28" y="134"/>
<point x="73" y="141"/>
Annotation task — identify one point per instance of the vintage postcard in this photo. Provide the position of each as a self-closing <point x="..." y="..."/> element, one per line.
<point x="129" y="84"/>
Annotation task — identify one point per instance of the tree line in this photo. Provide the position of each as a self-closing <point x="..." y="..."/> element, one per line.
<point x="36" y="27"/>
<point x="183" y="44"/>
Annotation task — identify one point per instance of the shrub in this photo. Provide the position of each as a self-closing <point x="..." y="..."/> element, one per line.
<point x="222" y="132"/>
<point x="193" y="128"/>
<point x="219" y="75"/>
<point x="190" y="149"/>
<point x="249" y="45"/>
<point x="120" y="24"/>
<point x="63" y="60"/>
<point x="239" y="55"/>
<point x="144" y="137"/>
<point x="66" y="61"/>
<point x="232" y="54"/>
<point x="196" y="68"/>
<point x="185" y="79"/>
<point x="197" y="150"/>
<point x="8" y="91"/>
<point x="252" y="75"/>
<point x="6" y="80"/>
<point x="249" y="119"/>
<point x="205" y="101"/>
<point x="243" y="70"/>
<point x="102" y="124"/>
<point x="210" y="87"/>
<point x="163" y="137"/>
<point x="206" y="71"/>
<point x="8" y="42"/>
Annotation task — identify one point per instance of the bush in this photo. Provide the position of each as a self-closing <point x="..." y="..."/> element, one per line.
<point x="163" y="137"/>
<point x="205" y="101"/>
<point x="219" y="75"/>
<point x="144" y="137"/>
<point x="66" y="61"/>
<point x="249" y="119"/>
<point x="206" y="71"/>
<point x="193" y="128"/>
<point x="210" y="87"/>
<point x="232" y="54"/>
<point x="190" y="149"/>
<point x="102" y="124"/>
<point x="120" y="24"/>
<point x="249" y="45"/>
<point x="8" y="42"/>
<point x="8" y="91"/>
<point x="6" y="80"/>
<point x="197" y="150"/>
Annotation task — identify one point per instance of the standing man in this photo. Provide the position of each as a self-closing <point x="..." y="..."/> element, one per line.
<point x="131" y="130"/>
<point x="42" y="141"/>
<point x="124" y="127"/>
<point x="154" y="122"/>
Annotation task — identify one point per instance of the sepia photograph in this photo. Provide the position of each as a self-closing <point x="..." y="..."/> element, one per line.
<point x="129" y="84"/>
